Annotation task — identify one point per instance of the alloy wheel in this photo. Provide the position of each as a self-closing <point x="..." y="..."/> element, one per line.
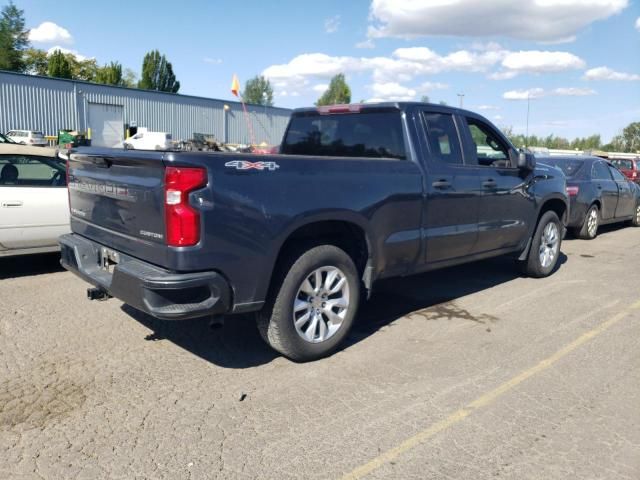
<point x="549" y="245"/>
<point x="321" y="304"/>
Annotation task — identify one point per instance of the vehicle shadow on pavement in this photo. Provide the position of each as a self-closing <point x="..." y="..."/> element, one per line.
<point x="431" y="296"/>
<point x="27" y="265"/>
<point x="238" y="344"/>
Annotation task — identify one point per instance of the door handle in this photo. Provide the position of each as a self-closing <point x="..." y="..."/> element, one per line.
<point x="441" y="184"/>
<point x="491" y="183"/>
<point x="12" y="203"/>
<point x="599" y="187"/>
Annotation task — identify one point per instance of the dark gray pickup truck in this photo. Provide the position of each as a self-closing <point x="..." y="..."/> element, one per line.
<point x="358" y="193"/>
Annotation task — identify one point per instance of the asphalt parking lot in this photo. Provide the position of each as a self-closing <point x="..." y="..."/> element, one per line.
<point x="471" y="372"/>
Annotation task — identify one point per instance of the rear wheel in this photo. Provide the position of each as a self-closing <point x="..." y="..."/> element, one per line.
<point x="545" y="246"/>
<point x="313" y="310"/>
<point x="635" y="221"/>
<point x="589" y="229"/>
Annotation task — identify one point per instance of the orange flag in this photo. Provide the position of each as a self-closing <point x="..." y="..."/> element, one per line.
<point x="235" y="85"/>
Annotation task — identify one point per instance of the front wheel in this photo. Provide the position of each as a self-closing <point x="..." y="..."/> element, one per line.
<point x="545" y="246"/>
<point x="314" y="308"/>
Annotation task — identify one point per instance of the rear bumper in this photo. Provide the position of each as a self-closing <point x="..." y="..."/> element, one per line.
<point x="156" y="291"/>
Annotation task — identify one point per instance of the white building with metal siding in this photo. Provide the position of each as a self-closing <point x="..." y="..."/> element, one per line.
<point x="48" y="105"/>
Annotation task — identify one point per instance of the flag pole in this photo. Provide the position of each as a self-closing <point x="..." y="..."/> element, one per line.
<point x="248" y="120"/>
<point x="235" y="89"/>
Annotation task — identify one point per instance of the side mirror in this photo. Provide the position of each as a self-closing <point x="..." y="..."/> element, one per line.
<point x="526" y="161"/>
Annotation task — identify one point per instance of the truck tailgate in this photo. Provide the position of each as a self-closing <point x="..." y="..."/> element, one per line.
<point x="118" y="199"/>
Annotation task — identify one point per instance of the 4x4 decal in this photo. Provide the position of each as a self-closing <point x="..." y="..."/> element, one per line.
<point x="245" y="165"/>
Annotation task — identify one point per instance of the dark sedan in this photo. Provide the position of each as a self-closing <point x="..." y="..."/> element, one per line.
<point x="599" y="194"/>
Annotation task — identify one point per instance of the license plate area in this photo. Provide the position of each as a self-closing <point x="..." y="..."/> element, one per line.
<point x="108" y="259"/>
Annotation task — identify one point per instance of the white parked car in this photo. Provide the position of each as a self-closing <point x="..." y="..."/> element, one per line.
<point x="27" y="137"/>
<point x="34" y="205"/>
<point x="145" y="140"/>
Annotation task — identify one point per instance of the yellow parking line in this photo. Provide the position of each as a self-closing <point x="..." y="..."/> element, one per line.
<point x="484" y="400"/>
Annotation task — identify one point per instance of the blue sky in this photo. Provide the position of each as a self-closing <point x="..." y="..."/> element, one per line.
<point x="577" y="60"/>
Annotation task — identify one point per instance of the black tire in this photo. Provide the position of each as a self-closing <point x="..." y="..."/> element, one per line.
<point x="533" y="266"/>
<point x="276" y="320"/>
<point x="635" y="221"/>
<point x="584" y="232"/>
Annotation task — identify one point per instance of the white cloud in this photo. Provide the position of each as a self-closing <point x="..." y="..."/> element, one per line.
<point x="498" y="117"/>
<point x="392" y="91"/>
<point x="523" y="94"/>
<point x="49" y="32"/>
<point x="539" y="20"/>
<point x="75" y="53"/>
<point x="534" y="93"/>
<point x="406" y="64"/>
<point x="366" y="44"/>
<point x="638" y="24"/>
<point x="605" y="73"/>
<point x="487" y="107"/>
<point x="573" y="92"/>
<point x="503" y="75"/>
<point x="428" y="86"/>
<point x="320" y="88"/>
<point x="403" y="65"/>
<point x="535" y="61"/>
<point x="212" y="61"/>
<point x="332" y="24"/>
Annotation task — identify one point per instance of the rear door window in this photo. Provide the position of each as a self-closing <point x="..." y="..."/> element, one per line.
<point x="364" y="134"/>
<point x="600" y="171"/>
<point x="443" y="139"/>
<point x="617" y="176"/>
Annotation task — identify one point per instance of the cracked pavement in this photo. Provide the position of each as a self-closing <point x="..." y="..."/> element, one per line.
<point x="92" y="390"/>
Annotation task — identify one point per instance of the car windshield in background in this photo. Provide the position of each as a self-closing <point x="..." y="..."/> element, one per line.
<point x="366" y="134"/>
<point x="569" y="167"/>
<point x="4" y="139"/>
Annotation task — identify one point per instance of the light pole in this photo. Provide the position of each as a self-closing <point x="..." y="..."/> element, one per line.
<point x="461" y="97"/>
<point x="526" y="137"/>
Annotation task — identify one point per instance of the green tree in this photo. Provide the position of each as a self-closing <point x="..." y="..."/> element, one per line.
<point x="442" y="102"/>
<point x="35" y="61"/>
<point x="14" y="39"/>
<point x="425" y="99"/>
<point x="629" y="139"/>
<point x="59" y="65"/>
<point x="110" y="74"/>
<point x="337" y="93"/>
<point x="86" y="69"/>
<point x="258" y="91"/>
<point x="129" y="78"/>
<point x="157" y="74"/>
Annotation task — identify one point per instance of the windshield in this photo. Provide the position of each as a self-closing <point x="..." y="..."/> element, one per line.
<point x="569" y="167"/>
<point x="365" y="134"/>
<point x="4" y="139"/>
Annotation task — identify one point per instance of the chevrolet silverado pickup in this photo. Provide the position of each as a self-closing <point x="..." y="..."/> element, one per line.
<point x="356" y="194"/>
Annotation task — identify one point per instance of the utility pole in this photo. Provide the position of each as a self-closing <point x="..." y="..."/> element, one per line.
<point x="461" y="97"/>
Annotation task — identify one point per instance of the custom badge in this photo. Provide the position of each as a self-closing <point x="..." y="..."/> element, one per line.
<point x="245" y="165"/>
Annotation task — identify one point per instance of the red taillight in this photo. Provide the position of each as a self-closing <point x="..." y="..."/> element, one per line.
<point x="181" y="219"/>
<point x="573" y="191"/>
<point x="67" y="181"/>
<point x="327" y="109"/>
